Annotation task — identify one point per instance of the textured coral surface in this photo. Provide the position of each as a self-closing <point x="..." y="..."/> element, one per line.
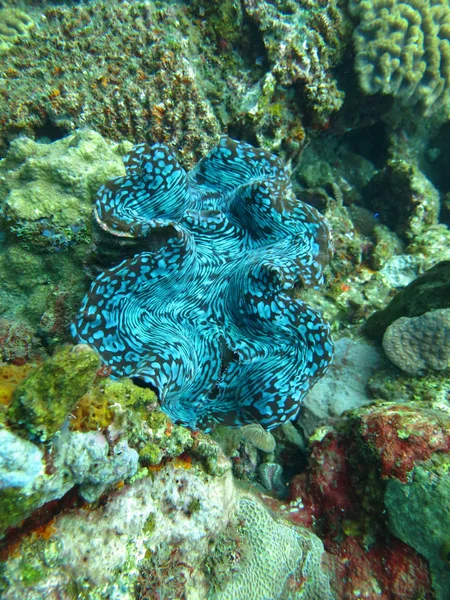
<point x="208" y="319"/>
<point x="403" y="49"/>
<point x="420" y="343"/>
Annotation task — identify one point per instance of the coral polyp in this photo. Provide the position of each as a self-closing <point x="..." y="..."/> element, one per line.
<point x="208" y="315"/>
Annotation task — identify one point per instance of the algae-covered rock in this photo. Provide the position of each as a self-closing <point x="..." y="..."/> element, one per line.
<point x="147" y="535"/>
<point x="88" y="460"/>
<point x="428" y="292"/>
<point x="46" y="190"/>
<point x="390" y="384"/>
<point x="419" y="514"/>
<point x="404" y="197"/>
<point x="43" y="401"/>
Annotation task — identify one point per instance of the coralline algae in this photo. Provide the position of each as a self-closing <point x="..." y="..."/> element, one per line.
<point x="209" y="318"/>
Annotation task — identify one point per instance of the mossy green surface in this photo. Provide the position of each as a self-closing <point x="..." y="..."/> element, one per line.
<point x="47" y="190"/>
<point x="392" y="385"/>
<point x="428" y="292"/>
<point x="42" y="403"/>
<point x="15" y="506"/>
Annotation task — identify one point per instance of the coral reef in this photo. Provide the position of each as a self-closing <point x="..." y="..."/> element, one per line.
<point x="402" y="436"/>
<point x="10" y="377"/>
<point x="403" y="49"/>
<point x="20" y="461"/>
<point x="46" y="190"/>
<point x="206" y="319"/>
<point x="102" y="495"/>
<point x="341" y="496"/>
<point x="304" y="41"/>
<point x="89" y="461"/>
<point x="14" y="25"/>
<point x="392" y="385"/>
<point x="86" y="460"/>
<point x="419" y="343"/>
<point x="101" y="77"/>
<point x="288" y="568"/>
<point x="42" y="403"/>
<point x="18" y="343"/>
<point x="165" y="520"/>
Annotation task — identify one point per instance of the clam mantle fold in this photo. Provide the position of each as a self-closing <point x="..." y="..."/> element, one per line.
<point x="208" y="317"/>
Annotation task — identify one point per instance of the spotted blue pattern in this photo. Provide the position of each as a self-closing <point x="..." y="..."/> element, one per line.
<point x="210" y="319"/>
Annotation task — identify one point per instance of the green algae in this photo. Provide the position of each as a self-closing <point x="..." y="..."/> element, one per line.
<point x="15" y="506"/>
<point x="43" y="401"/>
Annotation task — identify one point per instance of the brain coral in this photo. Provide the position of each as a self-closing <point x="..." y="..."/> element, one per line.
<point x="420" y="343"/>
<point x="279" y="561"/>
<point x="208" y="317"/>
<point x="403" y="49"/>
<point x="14" y="24"/>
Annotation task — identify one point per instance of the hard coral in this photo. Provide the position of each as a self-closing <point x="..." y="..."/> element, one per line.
<point x="276" y="560"/>
<point x="207" y="319"/>
<point x="14" y="24"/>
<point x="403" y="49"/>
<point x="123" y="68"/>
<point x="46" y="191"/>
<point x="304" y="41"/>
<point x="420" y="343"/>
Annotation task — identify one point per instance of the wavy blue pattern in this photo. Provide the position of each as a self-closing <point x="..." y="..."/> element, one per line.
<point x="210" y="319"/>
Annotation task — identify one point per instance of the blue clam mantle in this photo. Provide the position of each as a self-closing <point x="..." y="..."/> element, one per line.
<point x="209" y="318"/>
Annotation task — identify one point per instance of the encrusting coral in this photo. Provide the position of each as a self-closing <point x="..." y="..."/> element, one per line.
<point x="403" y="49"/>
<point x="42" y="402"/>
<point x="207" y="318"/>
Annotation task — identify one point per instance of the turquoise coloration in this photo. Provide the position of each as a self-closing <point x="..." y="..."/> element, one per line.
<point x="209" y="318"/>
